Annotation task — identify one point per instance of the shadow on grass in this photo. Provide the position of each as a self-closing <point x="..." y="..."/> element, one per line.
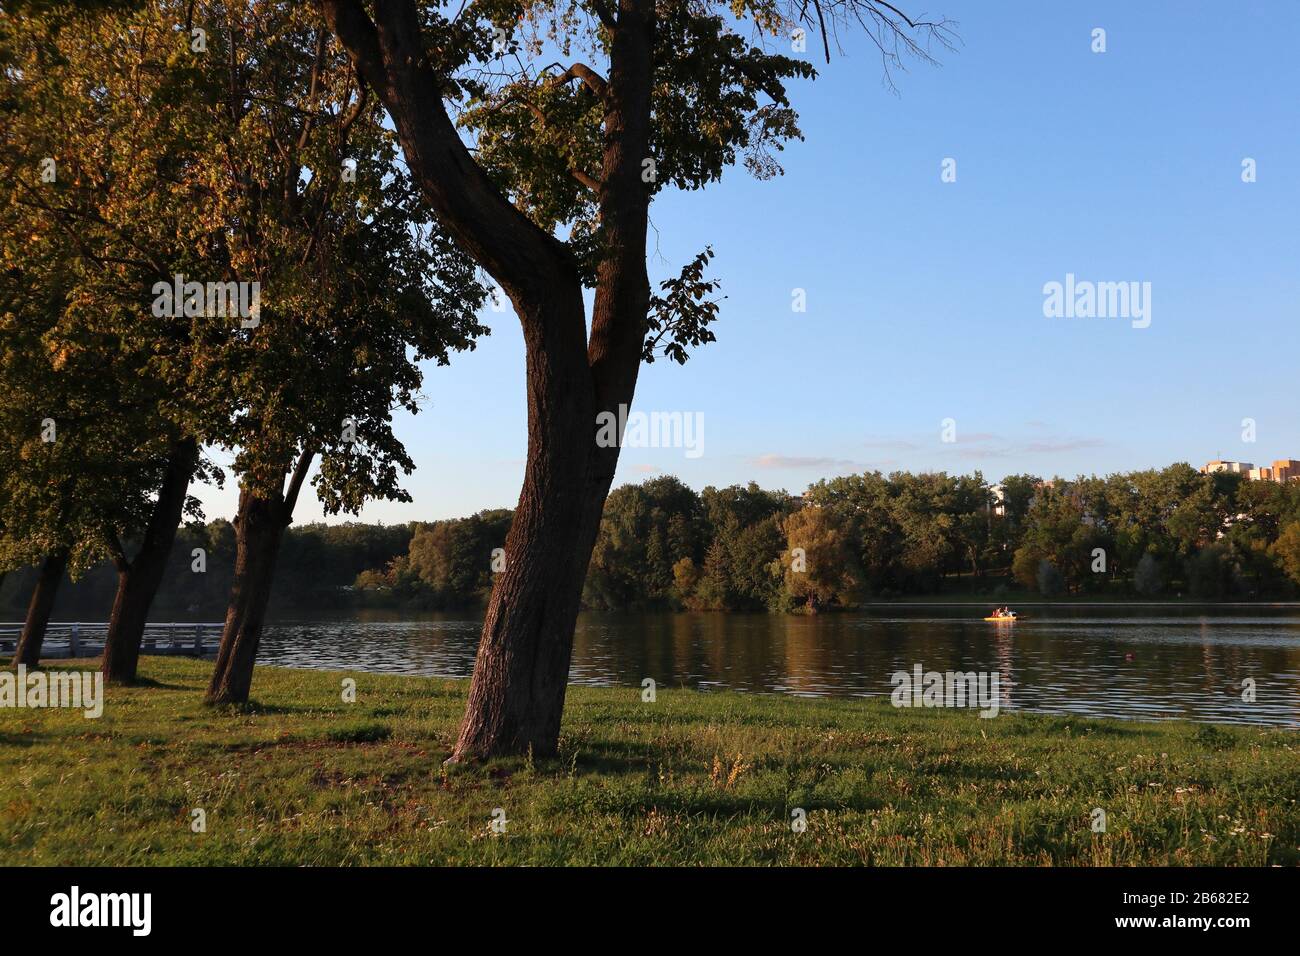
<point x="255" y="708"/>
<point x="24" y="740"/>
<point x="151" y="684"/>
<point x="1074" y="726"/>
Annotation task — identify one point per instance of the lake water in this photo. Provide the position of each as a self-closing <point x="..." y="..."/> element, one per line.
<point x="1145" y="663"/>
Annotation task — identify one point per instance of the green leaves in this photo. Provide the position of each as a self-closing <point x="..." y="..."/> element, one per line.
<point x="541" y="127"/>
<point x="717" y="97"/>
<point x="680" y="317"/>
<point x="255" y="161"/>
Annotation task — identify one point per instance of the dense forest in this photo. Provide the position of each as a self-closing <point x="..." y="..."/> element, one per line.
<point x="1171" y="533"/>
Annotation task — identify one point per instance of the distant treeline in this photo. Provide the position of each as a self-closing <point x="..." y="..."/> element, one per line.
<point x="845" y="541"/>
<point x="318" y="565"/>
<point x="849" y="540"/>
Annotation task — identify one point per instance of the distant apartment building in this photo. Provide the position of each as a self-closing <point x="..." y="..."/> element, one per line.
<point x="1235" y="467"/>
<point x="1286" y="469"/>
<point x="1282" y="470"/>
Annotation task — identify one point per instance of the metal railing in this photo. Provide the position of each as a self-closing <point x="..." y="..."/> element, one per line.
<point x="86" y="639"/>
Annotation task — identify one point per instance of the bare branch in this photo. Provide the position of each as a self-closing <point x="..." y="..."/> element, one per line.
<point x="894" y="33"/>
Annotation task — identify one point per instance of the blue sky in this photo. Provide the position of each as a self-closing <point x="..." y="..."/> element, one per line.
<point x="924" y="298"/>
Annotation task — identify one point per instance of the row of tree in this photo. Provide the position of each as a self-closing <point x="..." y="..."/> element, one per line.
<point x="208" y="241"/>
<point x="844" y="542"/>
<point x="871" y="536"/>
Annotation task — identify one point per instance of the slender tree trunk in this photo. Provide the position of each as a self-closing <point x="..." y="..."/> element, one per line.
<point x="259" y="530"/>
<point x="38" y="611"/>
<point x="138" y="581"/>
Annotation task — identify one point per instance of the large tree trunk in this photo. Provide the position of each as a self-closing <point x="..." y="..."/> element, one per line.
<point x="259" y="529"/>
<point x="517" y="693"/>
<point x="521" y="671"/>
<point x="38" y="611"/>
<point x="138" y="581"/>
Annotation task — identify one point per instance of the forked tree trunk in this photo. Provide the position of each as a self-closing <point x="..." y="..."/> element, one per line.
<point x="520" y="674"/>
<point x="38" y="611"/>
<point x="138" y="581"/>
<point x="259" y="530"/>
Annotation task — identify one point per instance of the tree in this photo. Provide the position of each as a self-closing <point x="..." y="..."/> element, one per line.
<point x="753" y="587"/>
<point x="867" y="505"/>
<point x="1025" y="564"/>
<point x="213" y="172"/>
<point x="1018" y="493"/>
<point x="92" y="141"/>
<point x="458" y="560"/>
<point x="359" y="286"/>
<point x="318" y="562"/>
<point x="818" y="563"/>
<point x="1147" y="577"/>
<point x="580" y="151"/>
<point x="1286" y="549"/>
<point x="645" y="530"/>
<point x="80" y="449"/>
<point x="1060" y="530"/>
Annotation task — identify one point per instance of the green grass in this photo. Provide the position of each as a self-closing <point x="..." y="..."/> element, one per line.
<point x="695" y="778"/>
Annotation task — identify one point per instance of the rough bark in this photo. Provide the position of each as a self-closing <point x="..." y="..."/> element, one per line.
<point x="520" y="674"/>
<point x="521" y="670"/>
<point x="138" y="580"/>
<point x="38" y="611"/>
<point x="259" y="531"/>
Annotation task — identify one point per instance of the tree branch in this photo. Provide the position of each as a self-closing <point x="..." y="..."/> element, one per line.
<point x="591" y="182"/>
<point x="586" y="179"/>
<point x="388" y="54"/>
<point x="297" y="479"/>
<point x="580" y="71"/>
<point x="117" y="552"/>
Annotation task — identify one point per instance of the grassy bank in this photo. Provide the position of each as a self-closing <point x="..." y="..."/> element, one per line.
<point x="694" y="778"/>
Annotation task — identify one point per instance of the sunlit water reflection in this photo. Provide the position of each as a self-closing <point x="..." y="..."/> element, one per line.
<point x="1157" y="665"/>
